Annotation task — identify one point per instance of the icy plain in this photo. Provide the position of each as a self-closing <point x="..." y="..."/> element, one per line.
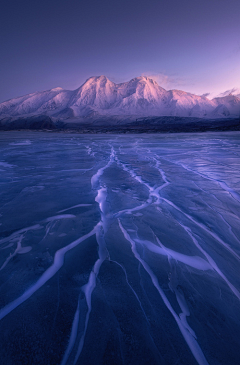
<point x="119" y="249"/>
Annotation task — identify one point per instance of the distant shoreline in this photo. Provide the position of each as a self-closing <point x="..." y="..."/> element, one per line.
<point x="109" y="126"/>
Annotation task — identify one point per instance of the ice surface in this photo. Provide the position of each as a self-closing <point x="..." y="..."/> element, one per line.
<point x="119" y="249"/>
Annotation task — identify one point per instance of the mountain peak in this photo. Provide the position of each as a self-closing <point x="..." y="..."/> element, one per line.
<point x="97" y="79"/>
<point x="147" y="78"/>
<point x="141" y="96"/>
<point x="103" y="78"/>
<point x="144" y="79"/>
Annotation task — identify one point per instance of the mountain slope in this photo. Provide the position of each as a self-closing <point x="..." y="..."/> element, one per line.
<point x="140" y="97"/>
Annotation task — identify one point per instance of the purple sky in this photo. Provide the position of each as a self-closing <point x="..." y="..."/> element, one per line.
<point x="190" y="45"/>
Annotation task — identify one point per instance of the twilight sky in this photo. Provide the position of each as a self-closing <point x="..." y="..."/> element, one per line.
<point x="193" y="45"/>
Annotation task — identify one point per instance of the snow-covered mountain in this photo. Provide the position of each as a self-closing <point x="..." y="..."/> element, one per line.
<point x="99" y="96"/>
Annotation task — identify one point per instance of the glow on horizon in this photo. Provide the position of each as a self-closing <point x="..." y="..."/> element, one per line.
<point x="191" y="46"/>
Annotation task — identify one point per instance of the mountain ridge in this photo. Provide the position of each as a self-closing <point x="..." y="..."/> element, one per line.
<point x="139" y="97"/>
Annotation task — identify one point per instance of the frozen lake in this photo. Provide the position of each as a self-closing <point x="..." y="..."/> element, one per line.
<point x="119" y="249"/>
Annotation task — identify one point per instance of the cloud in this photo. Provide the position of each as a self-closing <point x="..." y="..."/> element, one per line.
<point x="233" y="91"/>
<point x="211" y="95"/>
<point x="168" y="81"/>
